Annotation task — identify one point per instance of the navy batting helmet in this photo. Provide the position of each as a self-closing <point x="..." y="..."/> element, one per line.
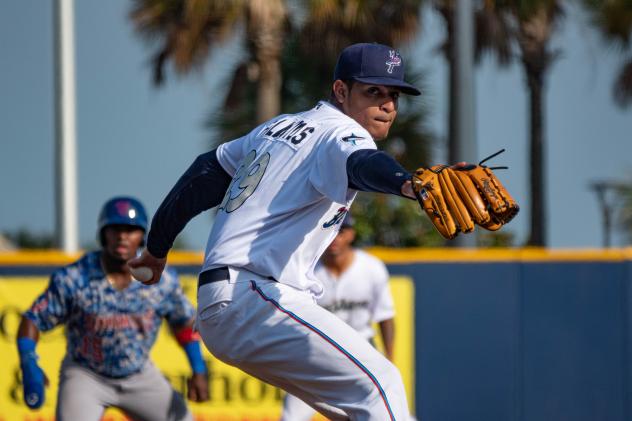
<point x="122" y="210"/>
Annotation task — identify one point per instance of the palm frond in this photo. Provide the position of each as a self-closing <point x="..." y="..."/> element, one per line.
<point x="332" y="25"/>
<point x="184" y="30"/>
<point x="613" y="18"/>
<point x="494" y="33"/>
<point x="623" y="85"/>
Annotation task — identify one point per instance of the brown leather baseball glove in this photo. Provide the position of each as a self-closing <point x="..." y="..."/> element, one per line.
<point x="456" y="198"/>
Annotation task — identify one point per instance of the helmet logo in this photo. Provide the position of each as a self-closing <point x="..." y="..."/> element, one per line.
<point x="124" y="208"/>
<point x="121" y="211"/>
<point x="394" y="60"/>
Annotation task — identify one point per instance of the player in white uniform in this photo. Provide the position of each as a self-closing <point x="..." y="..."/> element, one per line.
<point x="356" y="290"/>
<point x="286" y="187"/>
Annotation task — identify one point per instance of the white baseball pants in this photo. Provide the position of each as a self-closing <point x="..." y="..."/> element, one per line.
<point x="280" y="335"/>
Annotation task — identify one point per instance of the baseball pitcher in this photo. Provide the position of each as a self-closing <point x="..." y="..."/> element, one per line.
<point x="282" y="191"/>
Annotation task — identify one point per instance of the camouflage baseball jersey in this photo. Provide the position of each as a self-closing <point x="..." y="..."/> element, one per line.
<point x="109" y="331"/>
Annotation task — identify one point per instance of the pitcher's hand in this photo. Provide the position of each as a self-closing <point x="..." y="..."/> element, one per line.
<point x="146" y="259"/>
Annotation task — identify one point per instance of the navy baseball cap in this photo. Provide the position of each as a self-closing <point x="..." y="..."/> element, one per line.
<point x="374" y="64"/>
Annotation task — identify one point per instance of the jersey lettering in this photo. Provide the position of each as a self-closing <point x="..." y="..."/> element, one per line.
<point x="282" y="131"/>
<point x="270" y="130"/>
<point x="302" y="135"/>
<point x="296" y="128"/>
<point x="245" y="181"/>
<point x="295" y="131"/>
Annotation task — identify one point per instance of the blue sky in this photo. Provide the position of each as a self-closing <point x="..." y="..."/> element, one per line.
<point x="134" y="139"/>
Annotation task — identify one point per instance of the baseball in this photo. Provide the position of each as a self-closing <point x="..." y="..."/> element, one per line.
<point x="142" y="273"/>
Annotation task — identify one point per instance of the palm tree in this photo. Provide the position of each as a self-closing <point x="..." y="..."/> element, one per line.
<point x="536" y="22"/>
<point x="526" y="26"/>
<point x="491" y="35"/>
<point x="187" y="30"/>
<point x="446" y="9"/>
<point x="613" y="18"/>
<point x="187" y="36"/>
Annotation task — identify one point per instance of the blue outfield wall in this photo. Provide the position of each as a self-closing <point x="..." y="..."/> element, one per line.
<point x="502" y="336"/>
<point x="523" y="341"/>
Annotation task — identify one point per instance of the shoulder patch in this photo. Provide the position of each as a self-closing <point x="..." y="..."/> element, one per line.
<point x="352" y="138"/>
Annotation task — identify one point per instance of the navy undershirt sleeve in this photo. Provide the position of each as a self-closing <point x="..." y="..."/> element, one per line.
<point x="201" y="187"/>
<point x="375" y="171"/>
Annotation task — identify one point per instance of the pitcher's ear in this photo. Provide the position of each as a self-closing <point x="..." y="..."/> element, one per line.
<point x="340" y="91"/>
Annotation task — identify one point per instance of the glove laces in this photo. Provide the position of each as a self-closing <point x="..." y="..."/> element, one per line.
<point x="503" y="167"/>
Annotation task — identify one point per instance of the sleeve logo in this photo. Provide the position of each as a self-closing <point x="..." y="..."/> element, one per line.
<point x="337" y="218"/>
<point x="353" y="139"/>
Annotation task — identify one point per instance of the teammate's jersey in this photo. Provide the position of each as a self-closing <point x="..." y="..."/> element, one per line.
<point x="288" y="195"/>
<point x="360" y="296"/>
<point x="108" y="331"/>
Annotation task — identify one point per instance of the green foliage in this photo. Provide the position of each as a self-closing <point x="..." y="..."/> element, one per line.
<point x="237" y="116"/>
<point x="495" y="239"/>
<point x="180" y="243"/>
<point x="526" y="9"/>
<point x="304" y="81"/>
<point x="391" y="221"/>
<point x="184" y="32"/>
<point x="625" y="215"/>
<point x="613" y="18"/>
<point x="23" y="238"/>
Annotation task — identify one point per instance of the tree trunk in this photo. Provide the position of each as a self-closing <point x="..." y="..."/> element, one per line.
<point x="535" y="81"/>
<point x="453" y="98"/>
<point x="446" y="10"/>
<point x="266" y="26"/>
<point x="533" y="38"/>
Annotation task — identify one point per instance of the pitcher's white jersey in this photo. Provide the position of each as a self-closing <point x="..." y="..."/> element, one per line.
<point x="360" y="296"/>
<point x="288" y="195"/>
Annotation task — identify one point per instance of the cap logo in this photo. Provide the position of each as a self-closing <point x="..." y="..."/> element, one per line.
<point x="394" y="60"/>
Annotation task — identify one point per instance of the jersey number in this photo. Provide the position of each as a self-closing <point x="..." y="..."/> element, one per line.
<point x="245" y="181"/>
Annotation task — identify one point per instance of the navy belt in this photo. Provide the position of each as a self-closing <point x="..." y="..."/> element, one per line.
<point x="216" y="275"/>
<point x="213" y="275"/>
